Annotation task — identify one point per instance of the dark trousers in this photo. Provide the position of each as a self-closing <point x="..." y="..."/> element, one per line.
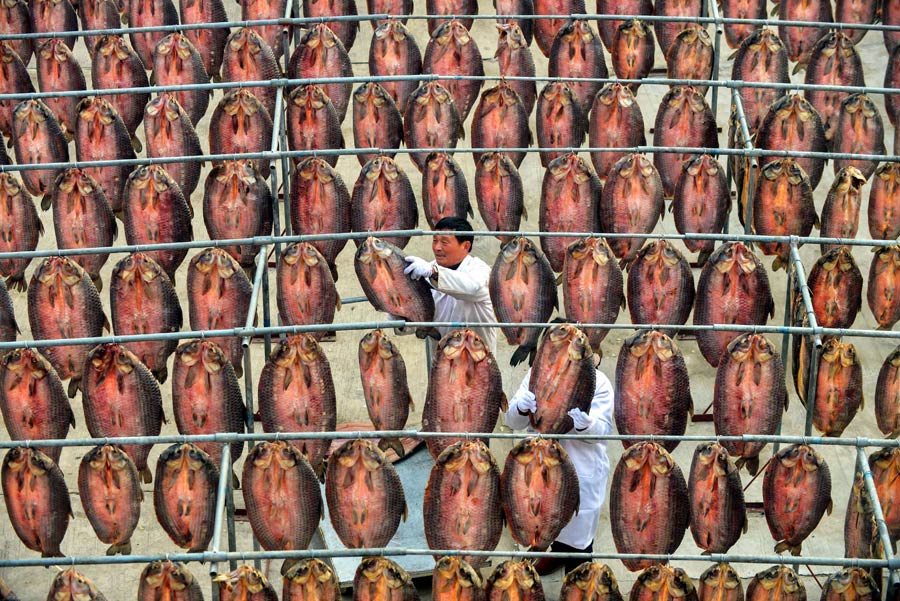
<point x="570" y="563"/>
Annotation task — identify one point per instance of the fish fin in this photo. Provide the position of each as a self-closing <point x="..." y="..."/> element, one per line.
<point x="893" y="435"/>
<point x="671" y="207"/>
<point x="17" y="283"/>
<point x="691" y="407"/>
<point x="121" y="548"/>
<point x="152" y="78"/>
<point x="98" y="282"/>
<point x="238" y="370"/>
<point x="702" y="258"/>
<point x="337" y="302"/>
<point x="775" y="10"/>
<point x="706" y="552"/>
<point x="504" y="402"/>
<point x="136" y="144"/>
<point x="884" y="327"/>
<point x="288" y="564"/>
<point x="777" y="264"/>
<point x="334" y="272"/>
<point x="235" y="483"/>
<point x="525" y="351"/>
<point x="106" y="326"/>
<point x="56" y="553"/>
<point x="74" y="386"/>
<point x="146" y="476"/>
<point x="782" y="547"/>
<point x="786" y="398"/>
<point x="423" y="333"/>
<point x="394" y="445"/>
<point x="162" y="374"/>
<point x="46" y="202"/>
<point x="830" y="507"/>
<point x="524" y="213"/>
<point x="734" y="54"/>
<point x="319" y="468"/>
<point x="746" y="527"/>
<point x="559" y="279"/>
<point x="405" y="511"/>
<point x="800" y="66"/>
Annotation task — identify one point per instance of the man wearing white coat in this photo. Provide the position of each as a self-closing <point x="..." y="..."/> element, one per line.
<point x="590" y="461"/>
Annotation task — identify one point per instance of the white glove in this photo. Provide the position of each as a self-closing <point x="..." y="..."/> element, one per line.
<point x="527" y="404"/>
<point x="582" y="420"/>
<point x="418" y="268"/>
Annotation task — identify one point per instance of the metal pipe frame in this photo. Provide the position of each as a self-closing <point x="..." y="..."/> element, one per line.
<point x="713" y="10"/>
<point x="812" y="378"/>
<point x="883" y="533"/>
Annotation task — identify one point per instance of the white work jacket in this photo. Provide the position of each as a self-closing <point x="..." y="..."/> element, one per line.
<point x="588" y="456"/>
<point x="461" y="295"/>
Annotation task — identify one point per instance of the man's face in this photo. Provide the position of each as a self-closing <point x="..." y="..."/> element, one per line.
<point x="448" y="251"/>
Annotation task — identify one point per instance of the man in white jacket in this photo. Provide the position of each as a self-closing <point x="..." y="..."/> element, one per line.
<point x="459" y="281"/>
<point x="590" y="461"/>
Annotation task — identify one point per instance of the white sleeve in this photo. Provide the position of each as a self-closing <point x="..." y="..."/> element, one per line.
<point x="512" y="417"/>
<point x="601" y="408"/>
<point x="471" y="287"/>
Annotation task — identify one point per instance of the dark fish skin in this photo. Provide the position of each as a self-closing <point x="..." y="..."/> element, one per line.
<point x="305" y="291"/>
<point x="860" y="528"/>
<point x="142" y="300"/>
<point x="648" y="503"/>
<point x="716" y="496"/>
<point x="840" y="215"/>
<point x="296" y="394"/>
<point x="254" y="10"/>
<point x="380" y="579"/>
<point x="563" y="378"/>
<point x="59" y="71"/>
<point x="615" y="122"/>
<point x="733" y="288"/>
<point x="593" y="287"/>
<point x="63" y="303"/>
<point x="276" y="480"/>
<point x="117" y="65"/>
<point x="618" y="7"/>
<point x="750" y="396"/>
<point x="37" y="500"/>
<point x="859" y="130"/>
<point x="796" y="494"/>
<point x="364" y="495"/>
<point x="522" y="287"/>
<point x="777" y="582"/>
<point x="237" y="203"/>
<point x="590" y="581"/>
<point x="170" y="133"/>
<point x="455" y="9"/>
<point x="885" y="465"/>
<point x="149" y="13"/>
<point x="383" y="199"/>
<point x="633" y="52"/>
<point x="377" y="122"/>
<point x="379" y="267"/>
<point x="310" y="579"/>
<point x="892" y="80"/>
<point x="385" y="387"/>
<point x="206" y="396"/>
<point x="559" y="121"/>
<point x="453" y="51"/>
<point x="399" y="9"/>
<point x="168" y="580"/>
<point x="465" y="390"/>
<point x="320" y="54"/>
<point x="155" y="210"/>
<point x="445" y="192"/>
<point x="393" y="51"/>
<point x="462" y="503"/>
<point x="799" y="41"/>
<point x="539" y="490"/>
<point x="631" y="202"/>
<point x="782" y="206"/>
<point x="887" y="394"/>
<point x="70" y="585"/>
<point x="16" y="18"/>
<point x="577" y="52"/>
<point x="660" y="582"/>
<point x="8" y="326"/>
<point x="736" y="33"/>
<point x="792" y="123"/>
<point x="241" y="124"/>
<point x="890" y="15"/>
<point x="667" y="31"/>
<point x="20" y="227"/>
<point x="839" y="393"/>
<point x="14" y="79"/>
<point x="834" y="61"/>
<point x="121" y="398"/>
<point x="501" y="121"/>
<point x="245" y="584"/>
<point x="33" y="400"/>
<point x="702" y="202"/>
<point x="184" y="495"/>
<point x="209" y="43"/>
<point x="851" y="583"/>
<point x="55" y="17"/>
<point x="545" y="30"/>
<point x="660" y="286"/>
<point x="431" y="120"/>
<point x="570" y="197"/>
<point x="219" y="299"/>
<point x="500" y="193"/>
<point x="344" y="30"/>
<point x="684" y="119"/>
<point x="177" y="61"/>
<point x="653" y="395"/>
<point x="320" y="203"/>
<point x="720" y="582"/>
<point x="97" y="14"/>
<point x="761" y="58"/>
<point x="514" y="59"/>
<point x="691" y="56"/>
<point x="37" y="138"/>
<point x="514" y="580"/>
<point x="100" y="135"/>
<point x="454" y="579"/>
<point x="313" y="122"/>
<point x="248" y="57"/>
<point x="835" y="284"/>
<point x="110" y="491"/>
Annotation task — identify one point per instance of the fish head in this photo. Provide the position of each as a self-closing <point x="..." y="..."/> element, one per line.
<point x="314" y="167"/>
<point x="654" y="577"/>
<point x="594" y="576"/>
<point x="55" y="50"/>
<point x="558" y="93"/>
<point x="852" y="580"/>
<point x="166" y="105"/>
<point x="137" y="265"/>
<point x="849" y="177"/>
<point x="839" y="353"/>
<point x="59" y="270"/>
<point x="714" y="455"/>
<point x="18" y="458"/>
<point x="511" y="35"/>
<point x="32" y="110"/>
<point x="9" y="185"/>
<point x="215" y="262"/>
<point x="721" y="575"/>
<point x="680" y="584"/>
<point x="637" y="456"/>
<point x="616" y="93"/>
<point x="377" y="341"/>
<point x="184" y="456"/>
<point x="69" y="585"/>
<point x="310" y="568"/>
<point x="392" y="31"/>
<point x="73" y="178"/>
<point x="782" y="577"/>
<point x="7" y="54"/>
<point x="241" y="101"/>
<point x="695" y="35"/>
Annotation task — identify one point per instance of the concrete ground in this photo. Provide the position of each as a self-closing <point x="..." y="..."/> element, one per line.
<point x="120" y="581"/>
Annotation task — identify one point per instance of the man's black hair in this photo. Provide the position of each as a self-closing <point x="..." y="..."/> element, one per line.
<point x="457" y="224"/>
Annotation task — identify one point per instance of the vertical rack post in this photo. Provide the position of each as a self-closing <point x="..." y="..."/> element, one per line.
<point x="717" y="51"/>
<point x="883" y="534"/>
<point x="222" y="492"/>
<point x="750" y="175"/>
<point x="800" y="274"/>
